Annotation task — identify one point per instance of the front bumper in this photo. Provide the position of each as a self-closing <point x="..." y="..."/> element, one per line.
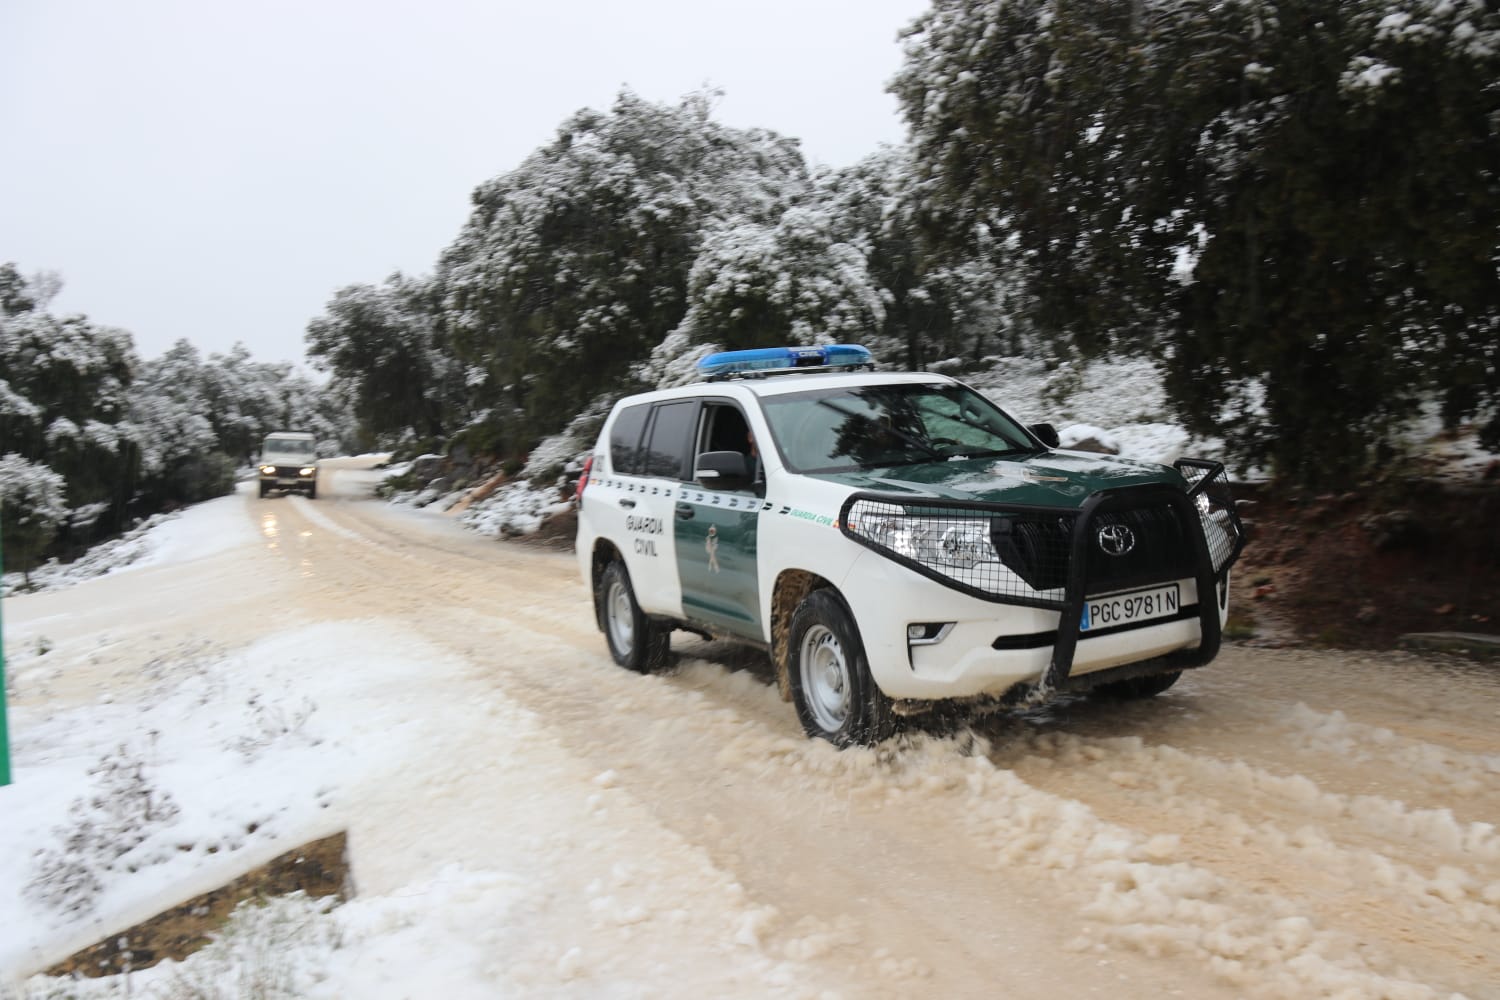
<point x="1005" y="631"/>
<point x="288" y="478"/>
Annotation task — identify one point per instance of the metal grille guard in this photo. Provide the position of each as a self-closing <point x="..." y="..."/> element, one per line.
<point x="1210" y="569"/>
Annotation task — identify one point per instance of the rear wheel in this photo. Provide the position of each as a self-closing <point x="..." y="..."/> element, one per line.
<point x="635" y="641"/>
<point x="836" y="698"/>
<point x="1133" y="688"/>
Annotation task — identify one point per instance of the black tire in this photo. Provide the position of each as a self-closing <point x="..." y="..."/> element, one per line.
<point x="264" y="489"/>
<point x="635" y="641"/>
<point x="836" y="698"/>
<point x="312" y="492"/>
<point x="1136" y="688"/>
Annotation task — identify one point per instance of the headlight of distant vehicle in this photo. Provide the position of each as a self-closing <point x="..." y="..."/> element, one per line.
<point x="306" y="470"/>
<point x="268" y="470"/>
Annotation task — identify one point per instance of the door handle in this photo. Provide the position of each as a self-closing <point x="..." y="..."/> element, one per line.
<point x="627" y="504"/>
<point x="684" y="512"/>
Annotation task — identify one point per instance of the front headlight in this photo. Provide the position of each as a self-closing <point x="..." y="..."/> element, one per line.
<point x="307" y="471"/>
<point x="896" y="534"/>
<point x="938" y="542"/>
<point x="268" y="470"/>
<point x="965" y="544"/>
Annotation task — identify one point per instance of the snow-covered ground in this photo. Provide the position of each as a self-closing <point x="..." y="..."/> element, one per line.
<point x="526" y="819"/>
<point x="223" y="684"/>
<point x="216" y="758"/>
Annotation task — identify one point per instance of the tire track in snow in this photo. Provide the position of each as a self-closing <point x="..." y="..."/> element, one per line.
<point x="1126" y="875"/>
<point x="1284" y="836"/>
<point x="1455" y="772"/>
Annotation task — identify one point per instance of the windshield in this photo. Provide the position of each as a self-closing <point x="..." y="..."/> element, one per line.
<point x="289" y="445"/>
<point x="876" y="426"/>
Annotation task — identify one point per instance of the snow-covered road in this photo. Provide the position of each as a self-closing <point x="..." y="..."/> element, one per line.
<point x="526" y="819"/>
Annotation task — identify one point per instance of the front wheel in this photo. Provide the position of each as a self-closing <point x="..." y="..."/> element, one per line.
<point x="635" y="641"/>
<point x="837" y="700"/>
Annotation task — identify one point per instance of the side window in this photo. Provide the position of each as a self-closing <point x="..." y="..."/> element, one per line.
<point x="724" y="429"/>
<point x="671" y="439"/>
<point x="625" y="453"/>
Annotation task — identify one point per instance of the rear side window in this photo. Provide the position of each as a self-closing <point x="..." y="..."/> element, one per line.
<point x="625" y="453"/>
<point x="671" y="439"/>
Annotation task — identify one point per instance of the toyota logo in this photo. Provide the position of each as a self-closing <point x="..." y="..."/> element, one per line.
<point x="1115" y="539"/>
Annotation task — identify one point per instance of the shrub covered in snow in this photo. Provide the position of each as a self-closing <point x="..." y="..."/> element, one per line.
<point x="101" y="559"/>
<point x="107" y="826"/>
<point x="32" y="507"/>
<point x="515" y="509"/>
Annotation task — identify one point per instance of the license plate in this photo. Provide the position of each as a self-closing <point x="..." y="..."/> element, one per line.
<point x="1128" y="609"/>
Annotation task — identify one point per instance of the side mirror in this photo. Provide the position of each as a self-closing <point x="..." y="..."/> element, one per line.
<point x="722" y="470"/>
<point x="1046" y="433"/>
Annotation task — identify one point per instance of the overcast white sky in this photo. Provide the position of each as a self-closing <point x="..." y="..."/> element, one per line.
<point x="214" y="171"/>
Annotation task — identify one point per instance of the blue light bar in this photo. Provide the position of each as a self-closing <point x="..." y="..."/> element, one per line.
<point x="766" y="359"/>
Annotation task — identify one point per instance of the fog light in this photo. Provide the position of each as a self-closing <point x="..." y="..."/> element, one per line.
<point x="927" y="633"/>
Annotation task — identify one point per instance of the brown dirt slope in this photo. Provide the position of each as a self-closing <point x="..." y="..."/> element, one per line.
<point x="320" y="868"/>
<point x="1360" y="569"/>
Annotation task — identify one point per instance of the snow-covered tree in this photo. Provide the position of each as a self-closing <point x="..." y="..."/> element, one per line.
<point x="386" y="351"/>
<point x="15" y="291"/>
<point x="66" y="384"/>
<point x="245" y="399"/>
<point x="942" y="300"/>
<point x="794" y="282"/>
<point x="322" y="410"/>
<point x="32" y="509"/>
<point x="576" y="264"/>
<point x="1295" y="204"/>
<point x="170" y="421"/>
<point x="127" y="437"/>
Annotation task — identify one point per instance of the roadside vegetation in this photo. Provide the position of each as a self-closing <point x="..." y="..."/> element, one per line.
<point x="1292" y="209"/>
<point x="1289" y="211"/>
<point x="93" y="439"/>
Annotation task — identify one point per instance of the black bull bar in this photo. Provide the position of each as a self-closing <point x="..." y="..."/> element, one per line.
<point x="1067" y="555"/>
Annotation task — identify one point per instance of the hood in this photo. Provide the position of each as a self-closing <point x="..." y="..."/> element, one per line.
<point x="1052" y="479"/>
<point x="273" y="457"/>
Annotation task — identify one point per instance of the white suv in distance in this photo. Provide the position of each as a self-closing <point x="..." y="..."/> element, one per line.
<point x="895" y="540"/>
<point x="289" y="461"/>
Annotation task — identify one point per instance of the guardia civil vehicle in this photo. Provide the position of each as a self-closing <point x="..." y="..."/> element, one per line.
<point x="895" y="541"/>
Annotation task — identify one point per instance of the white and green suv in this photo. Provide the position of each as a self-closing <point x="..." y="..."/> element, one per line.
<point x="895" y="540"/>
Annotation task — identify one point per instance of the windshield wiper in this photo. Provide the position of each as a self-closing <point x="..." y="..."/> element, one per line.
<point x="1003" y="453"/>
